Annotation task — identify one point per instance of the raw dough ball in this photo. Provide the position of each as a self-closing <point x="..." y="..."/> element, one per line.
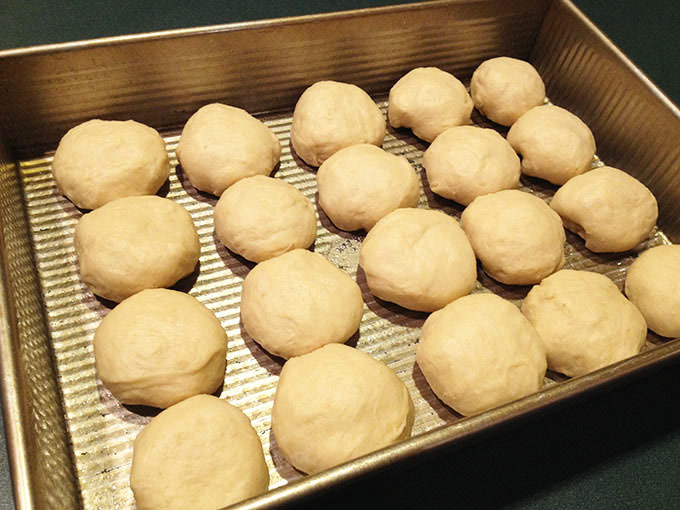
<point x="202" y="454"/>
<point x="330" y="116"/>
<point x="360" y="184"/>
<point x="135" y="243"/>
<point x="515" y="235"/>
<point x="429" y="101"/>
<point x="299" y="301"/>
<point x="480" y="352"/>
<point x="584" y="321"/>
<point x="610" y="209"/>
<point x="222" y="144"/>
<point x="101" y="160"/>
<point x="465" y="162"/>
<point x="653" y="285"/>
<point x="160" y="347"/>
<point x="419" y="259"/>
<point x="555" y="145"/>
<point x="336" y="404"/>
<point x="261" y="217"/>
<point x="505" y="88"/>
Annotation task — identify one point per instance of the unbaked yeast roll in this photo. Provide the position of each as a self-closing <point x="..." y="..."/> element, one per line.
<point x="336" y="404"/>
<point x="222" y="144"/>
<point x="102" y="160"/>
<point x="419" y="259"/>
<point x="479" y="352"/>
<point x="330" y="116"/>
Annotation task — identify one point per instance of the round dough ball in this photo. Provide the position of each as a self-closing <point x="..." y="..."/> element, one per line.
<point x="610" y="209"/>
<point x="503" y="89"/>
<point x="159" y="347"/>
<point x="653" y="285"/>
<point x="584" y="321"/>
<point x="360" y="184"/>
<point x="332" y="115"/>
<point x="202" y="454"/>
<point x="101" y="160"/>
<point x="135" y="243"/>
<point x="222" y="144"/>
<point x="261" y="217"/>
<point x="429" y="101"/>
<point x="336" y="404"/>
<point x="555" y="144"/>
<point x="480" y="352"/>
<point x="419" y="259"/>
<point x="299" y="301"/>
<point x="515" y="235"/>
<point x="465" y="162"/>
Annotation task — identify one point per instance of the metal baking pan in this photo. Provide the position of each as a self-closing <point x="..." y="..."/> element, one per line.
<point x="69" y="440"/>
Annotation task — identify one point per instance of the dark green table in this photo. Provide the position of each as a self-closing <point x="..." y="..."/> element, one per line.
<point x="620" y="449"/>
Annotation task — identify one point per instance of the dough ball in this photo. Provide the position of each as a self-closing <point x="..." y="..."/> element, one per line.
<point x="336" y="404"/>
<point x="503" y="89"/>
<point x="465" y="162"/>
<point x="653" y="285"/>
<point x="480" y="352"/>
<point x="555" y="145"/>
<point x="360" y="184"/>
<point x="160" y="347"/>
<point x="610" y="209"/>
<point x="201" y="453"/>
<point x="330" y="116"/>
<point x="515" y="235"/>
<point x="222" y="144"/>
<point x="261" y="217"/>
<point x="135" y="243"/>
<point x="584" y="321"/>
<point x="299" y="301"/>
<point x="419" y="259"/>
<point x="101" y="160"/>
<point x="429" y="101"/>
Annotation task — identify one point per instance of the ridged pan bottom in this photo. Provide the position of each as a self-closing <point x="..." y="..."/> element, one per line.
<point x="102" y="430"/>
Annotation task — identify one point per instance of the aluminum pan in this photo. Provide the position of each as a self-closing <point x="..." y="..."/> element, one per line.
<point x="101" y="430"/>
<point x="39" y="409"/>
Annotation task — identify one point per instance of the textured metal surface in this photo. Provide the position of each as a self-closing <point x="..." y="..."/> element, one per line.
<point x="262" y="66"/>
<point x="637" y="128"/>
<point x="72" y="440"/>
<point x="101" y="430"/>
<point x="34" y="419"/>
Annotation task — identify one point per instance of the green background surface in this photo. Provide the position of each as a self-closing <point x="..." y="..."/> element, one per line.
<point x="620" y="449"/>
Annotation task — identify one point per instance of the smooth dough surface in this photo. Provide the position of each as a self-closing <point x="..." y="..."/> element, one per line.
<point x="101" y="160"/>
<point x="505" y="88"/>
<point x="336" y="404"/>
<point x="159" y="347"/>
<point x="555" y="144"/>
<point x="299" y="301"/>
<point x="465" y="162"/>
<point x="360" y="184"/>
<point x="584" y="321"/>
<point x="429" y="101"/>
<point x="261" y="217"/>
<point x="201" y="454"/>
<point x="653" y="285"/>
<point x="135" y="243"/>
<point x="479" y="352"/>
<point x="419" y="259"/>
<point x="515" y="235"/>
<point x="610" y="209"/>
<point x="332" y="115"/>
<point x="222" y="144"/>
